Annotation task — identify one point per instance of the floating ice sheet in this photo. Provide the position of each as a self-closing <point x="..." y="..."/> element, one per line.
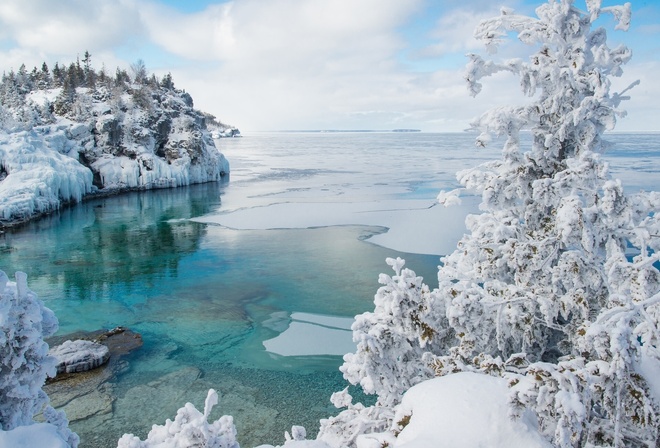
<point x="415" y="225"/>
<point x="313" y="335"/>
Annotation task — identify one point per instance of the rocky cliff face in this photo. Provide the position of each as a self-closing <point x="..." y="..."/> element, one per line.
<point x="165" y="144"/>
<point x="61" y="144"/>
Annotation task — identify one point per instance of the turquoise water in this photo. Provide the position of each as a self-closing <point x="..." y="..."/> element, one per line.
<point x="200" y="296"/>
<point x="205" y="297"/>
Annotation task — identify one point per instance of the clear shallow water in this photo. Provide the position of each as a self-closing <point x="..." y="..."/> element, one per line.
<point x="205" y="298"/>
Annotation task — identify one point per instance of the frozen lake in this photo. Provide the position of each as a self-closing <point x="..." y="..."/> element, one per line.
<point x="250" y="286"/>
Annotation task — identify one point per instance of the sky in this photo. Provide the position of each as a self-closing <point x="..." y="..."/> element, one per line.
<point x="265" y="65"/>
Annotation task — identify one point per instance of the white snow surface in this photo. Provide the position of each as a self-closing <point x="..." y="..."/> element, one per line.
<point x="461" y="410"/>
<point x="41" y="435"/>
<point x="649" y="367"/>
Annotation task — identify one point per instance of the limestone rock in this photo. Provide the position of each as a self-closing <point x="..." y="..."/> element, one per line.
<point x="90" y="394"/>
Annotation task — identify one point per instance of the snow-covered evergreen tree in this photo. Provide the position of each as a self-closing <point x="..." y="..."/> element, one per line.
<point x="24" y="360"/>
<point x="541" y="287"/>
<point x="190" y="428"/>
<point x="391" y="340"/>
<point x="556" y="285"/>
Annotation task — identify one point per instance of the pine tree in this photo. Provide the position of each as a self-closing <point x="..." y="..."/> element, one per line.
<point x="89" y="75"/>
<point x="23" y="81"/>
<point x="167" y="82"/>
<point x="58" y="76"/>
<point x="45" y="81"/>
<point x="67" y="97"/>
<point x="121" y="78"/>
<point x="79" y="72"/>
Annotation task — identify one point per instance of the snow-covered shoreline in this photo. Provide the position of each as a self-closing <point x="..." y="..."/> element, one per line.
<point x="62" y="144"/>
<point x="42" y="181"/>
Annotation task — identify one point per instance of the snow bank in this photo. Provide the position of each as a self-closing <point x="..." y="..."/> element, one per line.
<point x="459" y="410"/>
<point x="41" y="435"/>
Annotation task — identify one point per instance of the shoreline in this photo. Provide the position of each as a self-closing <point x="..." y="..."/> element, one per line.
<point x="98" y="194"/>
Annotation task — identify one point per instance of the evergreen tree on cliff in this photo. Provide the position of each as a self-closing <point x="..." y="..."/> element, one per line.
<point x="556" y="285"/>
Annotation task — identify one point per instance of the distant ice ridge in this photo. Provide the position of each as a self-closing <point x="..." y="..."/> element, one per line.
<point x="105" y="140"/>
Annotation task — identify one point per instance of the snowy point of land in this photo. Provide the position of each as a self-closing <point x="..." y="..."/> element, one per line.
<point x="61" y="141"/>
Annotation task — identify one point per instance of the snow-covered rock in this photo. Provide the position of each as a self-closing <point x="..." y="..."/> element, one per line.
<point x="462" y="410"/>
<point x="226" y="133"/>
<point x="37" y="178"/>
<point x="79" y="356"/>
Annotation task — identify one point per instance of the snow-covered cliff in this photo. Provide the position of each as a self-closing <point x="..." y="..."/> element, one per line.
<point x="77" y="132"/>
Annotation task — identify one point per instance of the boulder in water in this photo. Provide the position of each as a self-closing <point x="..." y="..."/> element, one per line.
<point x="79" y="356"/>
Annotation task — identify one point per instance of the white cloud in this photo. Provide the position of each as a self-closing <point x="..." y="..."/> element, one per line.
<point x="294" y="64"/>
<point x="273" y="64"/>
<point x="67" y="26"/>
<point x="37" y="31"/>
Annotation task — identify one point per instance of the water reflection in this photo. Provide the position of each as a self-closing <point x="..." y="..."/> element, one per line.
<point x="83" y="249"/>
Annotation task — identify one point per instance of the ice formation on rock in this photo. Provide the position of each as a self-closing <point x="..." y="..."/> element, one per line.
<point x="79" y="356"/>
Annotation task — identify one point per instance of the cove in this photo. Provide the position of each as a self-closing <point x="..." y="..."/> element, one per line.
<point x="205" y="299"/>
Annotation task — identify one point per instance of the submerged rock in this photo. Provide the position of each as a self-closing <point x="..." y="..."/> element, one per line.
<point x="119" y="340"/>
<point x="79" y="356"/>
